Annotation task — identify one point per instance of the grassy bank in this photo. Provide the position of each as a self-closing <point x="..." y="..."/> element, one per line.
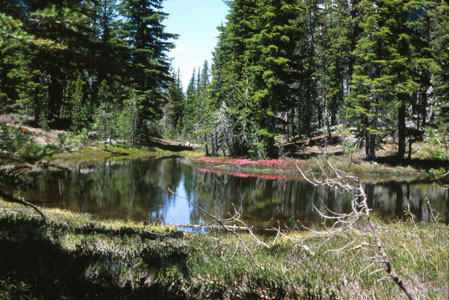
<point x="76" y="257"/>
<point x="286" y="168"/>
<point x="117" y="153"/>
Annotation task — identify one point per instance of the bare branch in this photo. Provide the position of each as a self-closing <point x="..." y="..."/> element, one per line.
<point x="430" y="209"/>
<point x="227" y="228"/>
<point x="342" y="248"/>
<point x="343" y="182"/>
<point x="12" y="199"/>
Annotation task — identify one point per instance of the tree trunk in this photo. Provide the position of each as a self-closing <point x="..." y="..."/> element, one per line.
<point x="293" y="124"/>
<point x="401" y="131"/>
<point x="367" y="144"/>
<point x="410" y="143"/>
<point x="206" y="149"/>
<point x="370" y="146"/>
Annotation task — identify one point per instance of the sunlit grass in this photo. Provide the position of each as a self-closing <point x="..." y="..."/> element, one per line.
<point x="120" y="259"/>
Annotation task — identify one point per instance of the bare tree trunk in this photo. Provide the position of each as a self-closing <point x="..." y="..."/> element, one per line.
<point x="370" y="146"/>
<point x="206" y="149"/>
<point x="401" y="131"/>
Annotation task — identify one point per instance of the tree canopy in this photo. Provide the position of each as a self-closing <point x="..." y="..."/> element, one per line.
<point x="281" y="70"/>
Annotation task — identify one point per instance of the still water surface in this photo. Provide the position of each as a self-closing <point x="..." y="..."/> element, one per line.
<point x="138" y="190"/>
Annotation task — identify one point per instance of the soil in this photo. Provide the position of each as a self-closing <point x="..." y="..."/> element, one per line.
<point x="37" y="135"/>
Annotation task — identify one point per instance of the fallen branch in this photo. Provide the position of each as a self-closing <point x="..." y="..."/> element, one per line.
<point x="12" y="199"/>
<point x="219" y="227"/>
<point x="434" y="218"/>
<point x="342" y="182"/>
<point x="225" y="227"/>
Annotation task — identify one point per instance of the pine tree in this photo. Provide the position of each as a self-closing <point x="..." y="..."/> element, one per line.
<point x="333" y="52"/>
<point x="203" y="107"/>
<point x="276" y="68"/>
<point x="175" y="106"/>
<point x="383" y="80"/>
<point x="189" y="107"/>
<point x="79" y="114"/>
<point x="150" y="67"/>
<point x="440" y="47"/>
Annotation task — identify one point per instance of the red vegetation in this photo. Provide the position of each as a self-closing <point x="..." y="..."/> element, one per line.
<point x="244" y="175"/>
<point x="253" y="164"/>
<point x="245" y="162"/>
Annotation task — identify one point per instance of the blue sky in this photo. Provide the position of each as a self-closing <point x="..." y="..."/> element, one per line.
<point x="196" y="22"/>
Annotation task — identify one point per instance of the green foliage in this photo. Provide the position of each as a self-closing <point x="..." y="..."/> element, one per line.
<point x="33" y="151"/>
<point x="18" y="145"/>
<point x="437" y="148"/>
<point x="11" y="290"/>
<point x="287" y="68"/>
<point x="69" y="141"/>
<point x="281" y="70"/>
<point x="79" y="109"/>
<point x="61" y="59"/>
<point x="174" y="115"/>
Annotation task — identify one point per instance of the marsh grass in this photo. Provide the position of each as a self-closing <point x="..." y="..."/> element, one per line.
<point x="366" y="171"/>
<point x="75" y="256"/>
<point x="116" y="153"/>
<point x="95" y="152"/>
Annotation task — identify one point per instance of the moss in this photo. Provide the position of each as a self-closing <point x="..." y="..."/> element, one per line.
<point x="98" y="151"/>
<point x="159" y="153"/>
<point x="117" y="153"/>
<point x="121" y="260"/>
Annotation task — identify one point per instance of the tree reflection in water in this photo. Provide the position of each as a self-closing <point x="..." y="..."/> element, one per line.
<point x="138" y="190"/>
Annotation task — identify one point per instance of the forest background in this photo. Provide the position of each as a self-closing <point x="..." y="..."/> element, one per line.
<point x="281" y="70"/>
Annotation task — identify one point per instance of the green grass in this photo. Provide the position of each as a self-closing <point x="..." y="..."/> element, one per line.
<point x="75" y="256"/>
<point x="98" y="151"/>
<point x="159" y="153"/>
<point x="364" y="170"/>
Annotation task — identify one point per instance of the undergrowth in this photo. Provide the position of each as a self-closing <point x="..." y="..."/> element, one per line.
<point x="77" y="257"/>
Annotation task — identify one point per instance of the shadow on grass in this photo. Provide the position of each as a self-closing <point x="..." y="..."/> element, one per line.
<point x="35" y="254"/>
<point x="418" y="163"/>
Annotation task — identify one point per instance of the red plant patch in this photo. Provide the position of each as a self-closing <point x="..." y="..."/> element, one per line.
<point x="243" y="175"/>
<point x="246" y="162"/>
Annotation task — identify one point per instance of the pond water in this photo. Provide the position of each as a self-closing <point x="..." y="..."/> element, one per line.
<point x="139" y="190"/>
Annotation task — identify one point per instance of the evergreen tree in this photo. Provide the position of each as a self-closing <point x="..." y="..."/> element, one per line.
<point x="203" y="107"/>
<point x="79" y="111"/>
<point x="440" y="47"/>
<point x="189" y="107"/>
<point x="175" y="106"/>
<point x="150" y="67"/>
<point x="281" y="70"/>
<point x="275" y="69"/>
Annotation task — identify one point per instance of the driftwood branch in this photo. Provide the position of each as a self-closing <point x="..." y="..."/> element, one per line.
<point x="12" y="199"/>
<point x="219" y="227"/>
<point x="345" y="183"/>
<point x="229" y="229"/>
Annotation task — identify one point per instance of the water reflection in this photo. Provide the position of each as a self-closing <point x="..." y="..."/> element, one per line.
<point x="138" y="190"/>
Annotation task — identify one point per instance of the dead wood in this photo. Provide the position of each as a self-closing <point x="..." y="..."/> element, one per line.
<point x="12" y="199"/>
<point x="343" y="182"/>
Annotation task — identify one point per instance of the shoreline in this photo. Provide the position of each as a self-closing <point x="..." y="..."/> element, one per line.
<point x="286" y="169"/>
